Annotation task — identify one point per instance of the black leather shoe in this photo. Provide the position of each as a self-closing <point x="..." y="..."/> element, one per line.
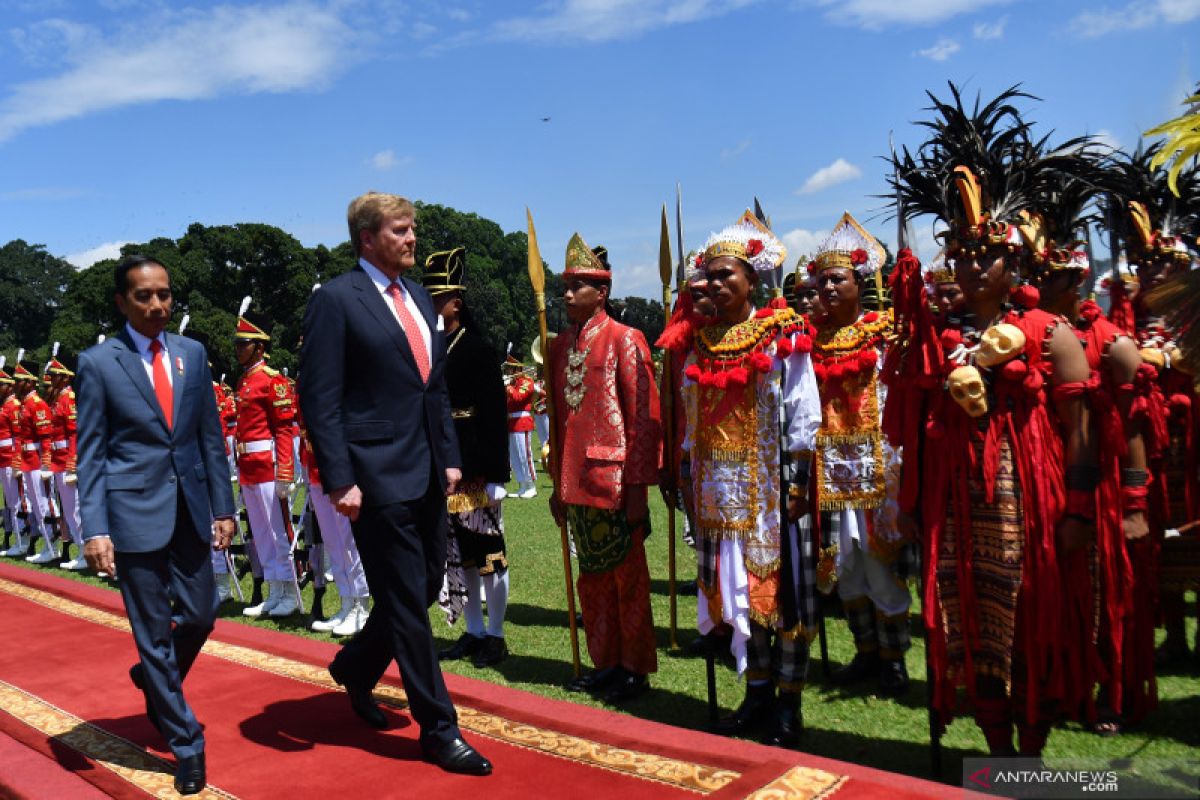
<point x="138" y="676"/>
<point x="786" y="724"/>
<point x="466" y="646"/>
<point x="862" y="667"/>
<point x="189" y="775"/>
<point x="754" y="711"/>
<point x="628" y="686"/>
<point x="493" y="651"/>
<point x="595" y="681"/>
<point x="458" y="756"/>
<point x="360" y="699"/>
<point x="893" y="677"/>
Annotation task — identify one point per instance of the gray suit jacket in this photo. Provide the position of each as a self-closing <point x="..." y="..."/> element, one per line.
<point x="130" y="465"/>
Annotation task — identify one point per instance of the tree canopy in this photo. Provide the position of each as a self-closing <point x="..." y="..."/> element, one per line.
<point x="44" y="299"/>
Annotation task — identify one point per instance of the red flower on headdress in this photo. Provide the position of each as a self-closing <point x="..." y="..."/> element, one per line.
<point x="699" y="261"/>
<point x="858" y="257"/>
<point x="754" y="247"/>
<point x="812" y="267"/>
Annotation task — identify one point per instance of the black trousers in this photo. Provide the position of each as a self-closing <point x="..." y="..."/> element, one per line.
<point x="403" y="551"/>
<point x="171" y="600"/>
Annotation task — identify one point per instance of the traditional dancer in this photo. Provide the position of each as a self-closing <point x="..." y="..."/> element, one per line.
<point x="1002" y="496"/>
<point x="609" y="439"/>
<point x="857" y="470"/>
<point x="752" y="415"/>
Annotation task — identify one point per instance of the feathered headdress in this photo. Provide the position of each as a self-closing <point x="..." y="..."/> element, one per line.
<point x="981" y="173"/>
<point x="1155" y="223"/>
<point x="749" y="240"/>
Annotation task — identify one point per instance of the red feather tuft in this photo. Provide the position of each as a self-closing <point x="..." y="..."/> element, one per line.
<point x="1025" y="296"/>
<point x="678" y="333"/>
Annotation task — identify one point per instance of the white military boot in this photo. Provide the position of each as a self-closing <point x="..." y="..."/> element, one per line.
<point x="19" y="547"/>
<point x="355" y="620"/>
<point x="338" y="618"/>
<point x="287" y="604"/>
<point x="274" y="596"/>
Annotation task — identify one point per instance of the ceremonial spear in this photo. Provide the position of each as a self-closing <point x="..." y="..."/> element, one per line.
<point x="935" y="723"/>
<point x="537" y="278"/>
<point x="668" y="417"/>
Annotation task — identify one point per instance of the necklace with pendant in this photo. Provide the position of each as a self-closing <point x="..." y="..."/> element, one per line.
<point x="576" y="367"/>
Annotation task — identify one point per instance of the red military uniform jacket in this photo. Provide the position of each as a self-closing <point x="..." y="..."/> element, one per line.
<point x="307" y="457"/>
<point x="10" y="420"/>
<point x="35" y="429"/>
<point x="520" y="404"/>
<point x="265" y="429"/>
<point x="62" y="455"/>
<point x="608" y="421"/>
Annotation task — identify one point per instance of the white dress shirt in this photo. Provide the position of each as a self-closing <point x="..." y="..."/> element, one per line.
<point x="382" y="282"/>
<point x="142" y="344"/>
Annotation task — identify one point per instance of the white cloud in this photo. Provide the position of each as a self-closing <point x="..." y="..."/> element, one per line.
<point x="86" y="258"/>
<point x="187" y="55"/>
<point x="941" y="50"/>
<point x="879" y="14"/>
<point x="1135" y="15"/>
<point x="607" y="20"/>
<point x="736" y="150"/>
<point x="839" y="171"/>
<point x="383" y="160"/>
<point x="802" y="243"/>
<point x="990" y="30"/>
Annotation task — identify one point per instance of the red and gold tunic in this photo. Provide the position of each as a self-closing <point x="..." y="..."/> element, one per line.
<point x="62" y="457"/>
<point x="10" y="421"/>
<point x="520" y="404"/>
<point x="608" y="426"/>
<point x="36" y="429"/>
<point x="265" y="428"/>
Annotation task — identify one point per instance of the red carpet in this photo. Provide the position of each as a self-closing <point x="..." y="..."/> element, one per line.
<point x="276" y="725"/>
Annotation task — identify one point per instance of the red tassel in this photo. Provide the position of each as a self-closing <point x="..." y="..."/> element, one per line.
<point x="802" y="343"/>
<point x="821" y="372"/>
<point x="836" y="372"/>
<point x="867" y="359"/>
<point x="678" y="333"/>
<point x="778" y="302"/>
<point x="951" y="338"/>
<point x="692" y="372"/>
<point x="1014" y="370"/>
<point x="1090" y="311"/>
<point x="934" y="429"/>
<point x="1120" y="310"/>
<point x="1034" y="381"/>
<point x="760" y="361"/>
<point x="783" y="347"/>
<point x="737" y="377"/>
<point x="721" y="380"/>
<point x="1025" y="296"/>
<point x="763" y="313"/>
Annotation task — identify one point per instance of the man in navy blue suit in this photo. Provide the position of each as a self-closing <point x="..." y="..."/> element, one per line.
<point x="154" y="495"/>
<point x="374" y="399"/>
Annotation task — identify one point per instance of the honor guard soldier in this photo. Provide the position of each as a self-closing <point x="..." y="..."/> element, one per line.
<point x="35" y="437"/>
<point x="62" y="455"/>
<point x="265" y="466"/>
<point x="10" y="416"/>
<point x="520" y="389"/>
<point x="476" y="552"/>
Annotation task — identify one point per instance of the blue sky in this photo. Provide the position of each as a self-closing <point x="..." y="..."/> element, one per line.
<point x="122" y="120"/>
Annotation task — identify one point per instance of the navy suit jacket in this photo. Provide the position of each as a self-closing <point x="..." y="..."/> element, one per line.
<point x="371" y="419"/>
<point x="130" y="465"/>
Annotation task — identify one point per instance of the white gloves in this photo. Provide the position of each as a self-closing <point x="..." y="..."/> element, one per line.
<point x="70" y="478"/>
<point x="47" y="475"/>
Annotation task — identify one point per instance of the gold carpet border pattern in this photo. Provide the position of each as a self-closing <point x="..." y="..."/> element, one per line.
<point x="685" y="775"/>
<point x="800" y="783"/>
<point x="147" y="772"/>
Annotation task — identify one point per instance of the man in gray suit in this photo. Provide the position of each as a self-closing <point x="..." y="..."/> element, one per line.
<point x="155" y="496"/>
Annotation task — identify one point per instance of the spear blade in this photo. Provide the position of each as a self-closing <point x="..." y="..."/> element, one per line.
<point x="537" y="275"/>
<point x="681" y="269"/>
<point x="665" y="263"/>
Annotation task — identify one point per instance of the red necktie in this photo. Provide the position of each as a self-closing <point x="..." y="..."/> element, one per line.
<point x="162" y="384"/>
<point x="411" y="330"/>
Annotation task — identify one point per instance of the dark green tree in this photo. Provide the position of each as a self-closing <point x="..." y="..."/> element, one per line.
<point x="32" y="285"/>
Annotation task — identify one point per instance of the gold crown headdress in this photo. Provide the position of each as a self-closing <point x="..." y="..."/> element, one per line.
<point x="849" y="246"/>
<point x="747" y="240"/>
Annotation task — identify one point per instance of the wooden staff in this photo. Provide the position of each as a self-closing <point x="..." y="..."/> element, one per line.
<point x="668" y="388"/>
<point x="537" y="277"/>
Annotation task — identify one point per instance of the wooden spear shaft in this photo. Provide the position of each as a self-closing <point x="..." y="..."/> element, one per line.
<point x="668" y="417"/>
<point x="537" y="278"/>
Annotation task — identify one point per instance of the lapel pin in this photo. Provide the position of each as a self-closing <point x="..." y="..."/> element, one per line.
<point x="179" y="364"/>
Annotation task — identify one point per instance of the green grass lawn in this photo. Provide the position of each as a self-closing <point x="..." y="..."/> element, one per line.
<point x="856" y="727"/>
